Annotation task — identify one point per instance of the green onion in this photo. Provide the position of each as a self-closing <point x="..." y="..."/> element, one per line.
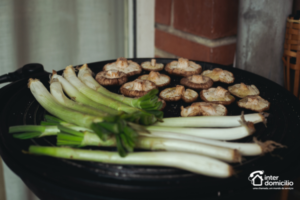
<point x="79" y="139"/>
<point x="137" y="114"/>
<point x="212" y="121"/>
<point x="77" y="96"/>
<point x="190" y="162"/>
<point x="245" y="149"/>
<point x="58" y="94"/>
<point x="85" y="137"/>
<point x="147" y="102"/>
<point x="42" y="95"/>
<point x="211" y="133"/>
<point x="32" y="131"/>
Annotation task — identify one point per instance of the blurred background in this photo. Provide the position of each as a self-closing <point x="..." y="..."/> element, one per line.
<point x="247" y="34"/>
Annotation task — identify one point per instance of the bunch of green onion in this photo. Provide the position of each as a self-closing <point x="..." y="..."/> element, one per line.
<point x="92" y="109"/>
<point x="90" y="118"/>
<point x="178" y="148"/>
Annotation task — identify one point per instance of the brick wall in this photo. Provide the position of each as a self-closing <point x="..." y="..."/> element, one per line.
<point x="202" y="30"/>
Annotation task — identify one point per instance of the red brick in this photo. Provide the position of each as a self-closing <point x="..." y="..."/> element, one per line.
<point x="223" y="54"/>
<point x="180" y="47"/>
<point x="207" y="18"/>
<point x="163" y="11"/>
<point x="194" y="51"/>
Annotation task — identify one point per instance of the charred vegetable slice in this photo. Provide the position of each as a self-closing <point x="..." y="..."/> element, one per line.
<point x="137" y="88"/>
<point x="217" y="95"/>
<point x="172" y="94"/>
<point x="189" y="96"/>
<point x="160" y="80"/>
<point x="197" y="82"/>
<point x="152" y="66"/>
<point x="183" y="67"/>
<point x="255" y="103"/>
<point x="205" y="109"/>
<point x="112" y="77"/>
<point x="122" y="64"/>
<point x="218" y="74"/>
<point x="242" y="90"/>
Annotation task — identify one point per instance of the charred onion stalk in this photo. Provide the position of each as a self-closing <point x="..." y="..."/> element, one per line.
<point x="146" y="102"/>
<point x="213" y="121"/>
<point x="137" y="115"/>
<point x="190" y="162"/>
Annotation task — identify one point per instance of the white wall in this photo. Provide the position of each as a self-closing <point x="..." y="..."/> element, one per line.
<point x="145" y="28"/>
<point x="56" y="34"/>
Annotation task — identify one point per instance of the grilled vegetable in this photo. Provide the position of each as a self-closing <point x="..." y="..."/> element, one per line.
<point x="189" y="95"/>
<point x="213" y="121"/>
<point x="152" y="66"/>
<point x="217" y="95"/>
<point x="160" y="80"/>
<point x="190" y="162"/>
<point x="241" y="90"/>
<point x="255" y="103"/>
<point x="137" y="88"/>
<point x="183" y="67"/>
<point x="197" y="82"/>
<point x="172" y="94"/>
<point x="146" y="102"/>
<point x="129" y="67"/>
<point x="218" y="74"/>
<point x="112" y="77"/>
<point x="204" y="108"/>
<point x="138" y="115"/>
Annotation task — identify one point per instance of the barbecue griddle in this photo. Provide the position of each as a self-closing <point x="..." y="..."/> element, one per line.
<point x="52" y="178"/>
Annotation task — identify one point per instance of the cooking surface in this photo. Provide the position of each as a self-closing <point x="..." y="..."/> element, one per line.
<point x="283" y="126"/>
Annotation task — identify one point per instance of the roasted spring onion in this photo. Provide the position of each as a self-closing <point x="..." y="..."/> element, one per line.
<point x="138" y="115"/>
<point x="87" y="137"/>
<point x="190" y="162"/>
<point x="147" y="102"/>
<point x="45" y="129"/>
<point x="33" y="131"/>
<point x="77" y="139"/>
<point x="77" y="96"/>
<point x="212" y="121"/>
<point x="42" y="95"/>
<point x="104" y="127"/>
<point x="58" y="94"/>
<point x="246" y="149"/>
<point x="234" y="133"/>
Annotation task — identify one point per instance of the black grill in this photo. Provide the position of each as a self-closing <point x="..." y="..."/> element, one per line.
<point x="52" y="178"/>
